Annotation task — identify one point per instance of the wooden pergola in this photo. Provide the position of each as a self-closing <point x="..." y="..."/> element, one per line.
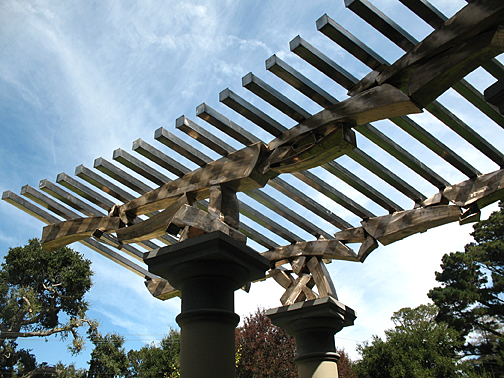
<point x="89" y="193"/>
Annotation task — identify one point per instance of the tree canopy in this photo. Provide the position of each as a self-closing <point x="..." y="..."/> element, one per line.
<point x="417" y="347"/>
<point x="41" y="294"/>
<point x="471" y="294"/>
<point x="263" y="349"/>
<point x="152" y="361"/>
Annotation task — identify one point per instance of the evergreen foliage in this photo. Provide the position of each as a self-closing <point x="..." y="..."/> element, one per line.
<point x="417" y="347"/>
<point x="471" y="295"/>
<point x="41" y="294"/>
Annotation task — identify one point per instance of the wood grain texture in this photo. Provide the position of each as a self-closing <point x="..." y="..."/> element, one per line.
<point x="161" y="289"/>
<point x="155" y="226"/>
<point x="192" y="217"/>
<point x="282" y="277"/>
<point x="374" y="104"/>
<point x="294" y="292"/>
<point x="482" y="191"/>
<point x="63" y="233"/>
<point x="390" y="228"/>
<point x="322" y="280"/>
<point x="237" y="170"/>
<point x="351" y="235"/>
<point x="326" y="249"/>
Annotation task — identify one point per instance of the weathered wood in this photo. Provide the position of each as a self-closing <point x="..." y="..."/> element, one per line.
<point x="189" y="216"/>
<point x="60" y="234"/>
<point x="283" y="278"/>
<point x="351" y="235"/>
<point x="155" y="226"/>
<point x="429" y="80"/>
<point x="294" y="292"/>
<point x="309" y="293"/>
<point x="367" y="246"/>
<point x="309" y="151"/>
<point x="482" y="191"/>
<point x="237" y="170"/>
<point x="494" y="94"/>
<point x="298" y="264"/>
<point x="390" y="228"/>
<point x="472" y="20"/>
<point x="161" y="289"/>
<point x="322" y="280"/>
<point x="371" y="105"/>
<point x="223" y="204"/>
<point x="326" y="249"/>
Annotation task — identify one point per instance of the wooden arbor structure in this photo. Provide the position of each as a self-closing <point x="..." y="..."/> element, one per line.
<point x="472" y="38"/>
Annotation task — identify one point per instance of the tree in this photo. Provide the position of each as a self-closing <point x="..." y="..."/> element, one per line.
<point x="345" y="365"/>
<point x="417" y="347"/>
<point x="108" y="358"/>
<point x="471" y="295"/>
<point x="263" y="349"/>
<point x="41" y="294"/>
<point x="152" y="361"/>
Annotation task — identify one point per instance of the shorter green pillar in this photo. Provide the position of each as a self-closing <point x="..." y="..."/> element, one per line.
<point x="207" y="269"/>
<point x="313" y="324"/>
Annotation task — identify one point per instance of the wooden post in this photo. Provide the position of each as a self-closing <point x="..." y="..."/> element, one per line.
<point x="207" y="269"/>
<point x="314" y="324"/>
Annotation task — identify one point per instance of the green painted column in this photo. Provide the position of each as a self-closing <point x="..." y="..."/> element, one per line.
<point x="313" y="324"/>
<point x="207" y="270"/>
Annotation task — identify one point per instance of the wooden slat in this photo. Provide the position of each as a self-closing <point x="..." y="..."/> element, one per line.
<point x="323" y="63"/>
<point x="103" y="184"/>
<point x="281" y="102"/>
<point x="298" y="81"/>
<point x="121" y="176"/>
<point x="315" y="57"/>
<point x="391" y="30"/>
<point x="178" y="145"/>
<point x="47" y="202"/>
<point x="252" y="113"/>
<point x="139" y="167"/>
<point x="362" y="52"/>
<point x="69" y="199"/>
<point x="47" y="218"/>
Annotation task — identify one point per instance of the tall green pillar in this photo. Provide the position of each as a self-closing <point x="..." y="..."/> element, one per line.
<point x="207" y="269"/>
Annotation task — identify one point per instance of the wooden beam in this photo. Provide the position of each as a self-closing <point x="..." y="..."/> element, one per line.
<point x="237" y="169"/>
<point x="161" y="289"/>
<point x="59" y="234"/>
<point x="474" y="19"/>
<point x="367" y="246"/>
<point x="189" y="216"/>
<point x="294" y="292"/>
<point x="351" y="235"/>
<point x="155" y="226"/>
<point x="371" y="105"/>
<point x="481" y="191"/>
<point x="390" y="228"/>
<point x="282" y="277"/>
<point x="322" y="280"/>
<point x="427" y="81"/>
<point x="325" y="249"/>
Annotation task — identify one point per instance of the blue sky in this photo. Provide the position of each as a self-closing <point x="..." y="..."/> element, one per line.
<point x="80" y="79"/>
